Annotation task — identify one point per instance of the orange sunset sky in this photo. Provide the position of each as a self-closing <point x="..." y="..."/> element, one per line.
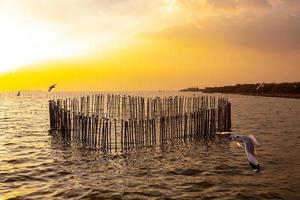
<point x="147" y="44"/>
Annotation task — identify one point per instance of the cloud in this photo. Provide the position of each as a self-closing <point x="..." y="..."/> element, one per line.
<point x="267" y="33"/>
<point x="224" y="4"/>
<point x="69" y="10"/>
<point x="293" y="5"/>
<point x="292" y="2"/>
<point x="275" y="28"/>
<point x="255" y="3"/>
<point x="102" y="22"/>
<point x="97" y="23"/>
<point x="270" y="33"/>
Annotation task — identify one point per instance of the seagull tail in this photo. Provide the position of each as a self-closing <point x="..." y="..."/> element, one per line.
<point x="255" y="168"/>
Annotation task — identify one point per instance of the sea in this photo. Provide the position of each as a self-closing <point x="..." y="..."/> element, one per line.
<point x="37" y="165"/>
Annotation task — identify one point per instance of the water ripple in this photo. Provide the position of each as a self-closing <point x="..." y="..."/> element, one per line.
<point x="34" y="165"/>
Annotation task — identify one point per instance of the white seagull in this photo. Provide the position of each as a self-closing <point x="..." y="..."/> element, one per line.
<point x="249" y="144"/>
<point x="51" y="87"/>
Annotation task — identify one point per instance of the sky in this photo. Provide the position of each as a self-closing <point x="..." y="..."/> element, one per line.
<point x="113" y="45"/>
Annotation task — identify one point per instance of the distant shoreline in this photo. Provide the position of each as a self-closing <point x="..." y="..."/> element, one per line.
<point x="280" y="90"/>
<point x="290" y="96"/>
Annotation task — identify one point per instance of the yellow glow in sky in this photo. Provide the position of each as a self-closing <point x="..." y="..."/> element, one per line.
<point x="27" y="43"/>
<point x="170" y="7"/>
<point x="147" y="45"/>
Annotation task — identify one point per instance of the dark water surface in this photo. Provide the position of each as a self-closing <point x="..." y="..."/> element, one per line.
<point x="35" y="165"/>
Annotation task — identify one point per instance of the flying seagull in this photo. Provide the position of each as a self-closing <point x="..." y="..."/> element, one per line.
<point x="51" y="87"/>
<point x="249" y="144"/>
<point x="260" y="86"/>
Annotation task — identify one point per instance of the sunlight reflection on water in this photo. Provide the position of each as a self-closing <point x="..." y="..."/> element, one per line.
<point x="36" y="165"/>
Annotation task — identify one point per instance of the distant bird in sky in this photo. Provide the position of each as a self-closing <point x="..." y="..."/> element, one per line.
<point x="19" y="94"/>
<point x="249" y="143"/>
<point x="52" y="87"/>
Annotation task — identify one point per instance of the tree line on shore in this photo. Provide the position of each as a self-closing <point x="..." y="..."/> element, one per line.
<point x="253" y="89"/>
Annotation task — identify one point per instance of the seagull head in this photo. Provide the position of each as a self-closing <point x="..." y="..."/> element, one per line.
<point x="236" y="138"/>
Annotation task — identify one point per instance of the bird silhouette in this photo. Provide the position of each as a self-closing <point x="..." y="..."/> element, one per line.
<point x="52" y="87"/>
<point x="249" y="143"/>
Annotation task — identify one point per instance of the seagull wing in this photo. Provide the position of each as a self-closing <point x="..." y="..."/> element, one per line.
<point x="239" y="145"/>
<point x="51" y="87"/>
<point x="251" y="158"/>
<point x="253" y="140"/>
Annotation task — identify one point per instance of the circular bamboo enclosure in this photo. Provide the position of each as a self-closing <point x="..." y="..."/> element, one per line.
<point x="119" y="123"/>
